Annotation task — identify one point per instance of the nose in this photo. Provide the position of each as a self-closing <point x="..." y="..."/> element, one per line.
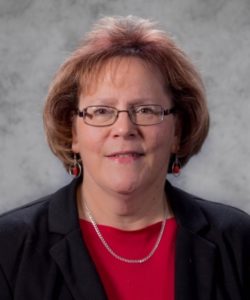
<point x="123" y="126"/>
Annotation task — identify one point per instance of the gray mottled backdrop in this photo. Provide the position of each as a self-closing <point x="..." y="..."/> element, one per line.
<point x="36" y="36"/>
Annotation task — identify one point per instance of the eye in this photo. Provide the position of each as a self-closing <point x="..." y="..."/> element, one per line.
<point x="147" y="110"/>
<point x="102" y="111"/>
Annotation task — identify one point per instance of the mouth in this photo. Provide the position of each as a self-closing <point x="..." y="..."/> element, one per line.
<point x="125" y="156"/>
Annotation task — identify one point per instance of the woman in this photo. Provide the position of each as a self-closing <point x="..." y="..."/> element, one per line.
<point x="125" y="109"/>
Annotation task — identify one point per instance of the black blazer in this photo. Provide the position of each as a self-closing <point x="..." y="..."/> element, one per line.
<point x="43" y="256"/>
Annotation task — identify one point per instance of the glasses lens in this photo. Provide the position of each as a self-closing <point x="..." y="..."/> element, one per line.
<point x="147" y="114"/>
<point x="100" y="115"/>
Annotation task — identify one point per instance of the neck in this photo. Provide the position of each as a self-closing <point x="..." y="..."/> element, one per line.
<point x="124" y="211"/>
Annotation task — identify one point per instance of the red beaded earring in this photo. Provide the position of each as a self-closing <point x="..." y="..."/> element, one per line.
<point x="75" y="169"/>
<point x="176" y="166"/>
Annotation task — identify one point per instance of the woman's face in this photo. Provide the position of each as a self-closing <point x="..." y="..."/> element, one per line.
<point x="125" y="158"/>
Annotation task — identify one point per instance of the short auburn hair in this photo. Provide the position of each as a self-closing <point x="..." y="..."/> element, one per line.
<point x="126" y="37"/>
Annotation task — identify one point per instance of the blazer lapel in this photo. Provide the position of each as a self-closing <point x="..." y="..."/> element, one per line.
<point x="195" y="265"/>
<point x="195" y="256"/>
<point x="77" y="268"/>
<point x="68" y="250"/>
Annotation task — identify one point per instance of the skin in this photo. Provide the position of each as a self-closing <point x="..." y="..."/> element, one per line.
<point x="125" y="191"/>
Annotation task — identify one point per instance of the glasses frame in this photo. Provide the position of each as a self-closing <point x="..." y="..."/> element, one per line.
<point x="163" y="112"/>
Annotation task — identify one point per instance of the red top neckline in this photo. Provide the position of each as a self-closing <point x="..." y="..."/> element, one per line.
<point x="153" y="279"/>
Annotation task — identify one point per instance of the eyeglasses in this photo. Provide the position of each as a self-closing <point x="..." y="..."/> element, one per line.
<point x="144" y="115"/>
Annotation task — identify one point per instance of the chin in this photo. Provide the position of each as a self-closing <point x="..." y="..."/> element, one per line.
<point x="124" y="188"/>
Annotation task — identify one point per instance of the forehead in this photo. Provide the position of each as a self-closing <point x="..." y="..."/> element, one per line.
<point x="115" y="71"/>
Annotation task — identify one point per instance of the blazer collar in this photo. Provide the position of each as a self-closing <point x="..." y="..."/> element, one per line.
<point x="63" y="216"/>
<point x="69" y="251"/>
<point x="195" y="255"/>
<point x="187" y="212"/>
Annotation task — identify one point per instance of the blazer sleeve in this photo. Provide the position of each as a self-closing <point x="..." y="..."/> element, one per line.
<point x="244" y="250"/>
<point x="5" y="292"/>
<point x="231" y="232"/>
<point x="237" y="244"/>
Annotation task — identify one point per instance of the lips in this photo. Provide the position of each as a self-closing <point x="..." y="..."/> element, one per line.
<point x="125" y="156"/>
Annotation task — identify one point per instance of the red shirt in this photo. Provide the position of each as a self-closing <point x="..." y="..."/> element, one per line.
<point x="153" y="279"/>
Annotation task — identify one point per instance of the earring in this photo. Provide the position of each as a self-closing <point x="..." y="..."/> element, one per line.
<point x="176" y="167"/>
<point x="75" y="169"/>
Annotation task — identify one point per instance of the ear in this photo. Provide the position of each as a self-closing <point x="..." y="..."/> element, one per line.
<point x="175" y="147"/>
<point x="75" y="140"/>
<point x="177" y="136"/>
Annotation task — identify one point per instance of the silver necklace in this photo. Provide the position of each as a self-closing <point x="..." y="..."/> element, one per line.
<point x="112" y="252"/>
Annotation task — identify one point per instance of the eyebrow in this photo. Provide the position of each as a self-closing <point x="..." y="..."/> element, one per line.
<point x="113" y="101"/>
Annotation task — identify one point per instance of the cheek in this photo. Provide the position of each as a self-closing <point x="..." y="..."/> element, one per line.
<point x="162" y="140"/>
<point x="90" y="141"/>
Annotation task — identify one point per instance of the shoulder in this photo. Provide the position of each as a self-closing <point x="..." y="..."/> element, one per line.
<point x="216" y="228"/>
<point x="219" y="217"/>
<point x="226" y="225"/>
<point x="28" y="233"/>
<point x="28" y="223"/>
<point x="32" y="214"/>
<point x="223" y="215"/>
<point x="23" y="232"/>
<point x="35" y="220"/>
<point x="24" y="216"/>
<point x="21" y="227"/>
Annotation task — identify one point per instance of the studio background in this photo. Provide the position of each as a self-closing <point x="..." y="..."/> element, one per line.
<point x="35" y="38"/>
